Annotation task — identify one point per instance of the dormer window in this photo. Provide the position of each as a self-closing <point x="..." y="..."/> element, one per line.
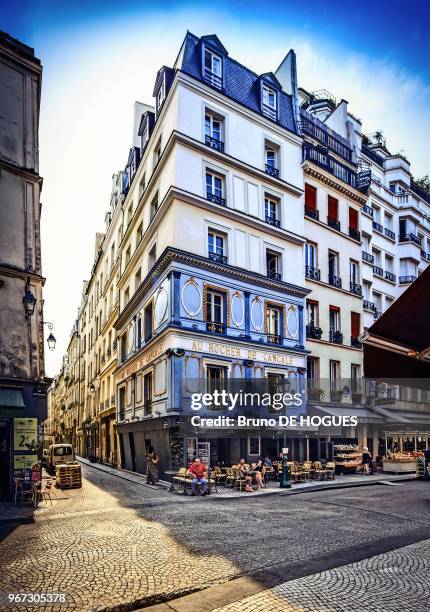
<point x="161" y="94"/>
<point x="269" y="102"/>
<point x="212" y="71"/>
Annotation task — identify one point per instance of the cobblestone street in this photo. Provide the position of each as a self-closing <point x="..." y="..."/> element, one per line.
<point x="115" y="543"/>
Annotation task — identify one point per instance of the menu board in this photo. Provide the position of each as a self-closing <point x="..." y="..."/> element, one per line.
<point x="25" y="434"/>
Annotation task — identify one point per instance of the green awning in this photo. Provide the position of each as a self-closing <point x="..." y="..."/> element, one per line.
<point x="11" y="398"/>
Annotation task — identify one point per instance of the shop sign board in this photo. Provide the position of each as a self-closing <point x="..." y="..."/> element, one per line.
<point x="25" y="436"/>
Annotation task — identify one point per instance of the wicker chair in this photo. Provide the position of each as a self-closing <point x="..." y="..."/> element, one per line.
<point x="330" y="470"/>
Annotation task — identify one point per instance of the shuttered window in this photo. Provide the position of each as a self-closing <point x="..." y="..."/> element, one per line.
<point x="355" y="324"/>
<point x="310" y="197"/>
<point x="332" y="207"/>
<point x="353" y="218"/>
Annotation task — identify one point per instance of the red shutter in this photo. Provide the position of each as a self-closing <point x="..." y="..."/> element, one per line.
<point x="355" y="324"/>
<point x="310" y="197"/>
<point x="332" y="207"/>
<point x="353" y="218"/>
<point x="334" y="308"/>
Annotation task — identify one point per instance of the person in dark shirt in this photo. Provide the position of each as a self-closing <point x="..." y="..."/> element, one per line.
<point x="198" y="471"/>
<point x="367" y="460"/>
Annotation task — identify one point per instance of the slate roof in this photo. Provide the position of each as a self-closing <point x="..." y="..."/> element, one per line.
<point x="240" y="83"/>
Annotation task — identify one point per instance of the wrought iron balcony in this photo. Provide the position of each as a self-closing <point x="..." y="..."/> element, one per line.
<point x="407" y="279"/>
<point x="378" y="227"/>
<point x="333" y="223"/>
<point x="423" y="254"/>
<point x="218" y="258"/>
<point x="354" y="233"/>
<point x="367" y="257"/>
<point x="355" y="342"/>
<point x="216" y="199"/>
<point x="377" y="313"/>
<point x="269" y="112"/>
<point x="336" y="336"/>
<point x="355" y="288"/>
<point x="391" y="235"/>
<point x="313" y="332"/>
<point x="368" y="305"/>
<point x="313" y="273"/>
<point x="147" y="407"/>
<point x="313" y="213"/>
<point x="319" y="156"/>
<point x="323" y="135"/>
<point x="215" y="328"/>
<point x="335" y="281"/>
<point x="214" y="143"/>
<point x="368" y="210"/>
<point x="390" y="276"/>
<point x="274" y="275"/>
<point x="274" y="339"/>
<point x="378" y="271"/>
<point x="410" y="238"/>
<point x="212" y="78"/>
<point x="272" y="171"/>
<point x="272" y="221"/>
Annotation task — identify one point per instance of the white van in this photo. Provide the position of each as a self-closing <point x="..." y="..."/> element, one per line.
<point x="59" y="453"/>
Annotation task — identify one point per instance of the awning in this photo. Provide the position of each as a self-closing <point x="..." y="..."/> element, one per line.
<point x="11" y="398"/>
<point x="361" y="413"/>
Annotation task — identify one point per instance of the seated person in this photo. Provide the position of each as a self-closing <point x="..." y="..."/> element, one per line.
<point x="268" y="461"/>
<point x="243" y="472"/>
<point x="198" y="471"/>
<point x="257" y="471"/>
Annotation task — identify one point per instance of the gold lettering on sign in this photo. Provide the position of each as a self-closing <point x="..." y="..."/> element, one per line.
<point x="252" y="354"/>
<point x="224" y="350"/>
<point x="197" y="346"/>
<point x="279" y="359"/>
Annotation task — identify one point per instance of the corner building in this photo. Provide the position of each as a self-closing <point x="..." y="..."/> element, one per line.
<point x="211" y="283"/>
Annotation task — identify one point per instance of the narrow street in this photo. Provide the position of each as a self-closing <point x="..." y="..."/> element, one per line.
<point x="116" y="544"/>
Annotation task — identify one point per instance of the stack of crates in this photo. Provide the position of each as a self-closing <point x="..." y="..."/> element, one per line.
<point x="68" y="476"/>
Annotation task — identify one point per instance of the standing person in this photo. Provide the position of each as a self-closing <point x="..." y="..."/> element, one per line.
<point x="198" y="471"/>
<point x="367" y="460"/>
<point x="152" y="461"/>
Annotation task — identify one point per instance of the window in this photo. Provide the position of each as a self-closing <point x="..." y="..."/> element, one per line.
<point x="139" y="331"/>
<point x="126" y="296"/>
<point x="355" y="329"/>
<point x="123" y="347"/>
<point x="355" y="380"/>
<point x="354" y="277"/>
<point x="147" y="393"/>
<point x="332" y="213"/>
<point x="215" y="377"/>
<point x="271" y="154"/>
<point x="215" y="188"/>
<point x="313" y="372"/>
<point x="269" y="102"/>
<point x="127" y="256"/>
<point x="271" y="207"/>
<point x="334" y="318"/>
<point x="389" y="263"/>
<point x="148" y="321"/>
<point x="214" y="131"/>
<point x="353" y="223"/>
<point x="154" y="206"/>
<point x="139" y="233"/>
<point x="161" y="94"/>
<point x="129" y="214"/>
<point x="366" y="290"/>
<point x="275" y="384"/>
<point x="157" y="152"/>
<point x="334" y="375"/>
<point x="377" y="300"/>
<point x="142" y="185"/>
<point x="273" y="324"/>
<point x="212" y="69"/>
<point x="273" y="265"/>
<point x="310" y="197"/>
<point x="388" y="302"/>
<point x="311" y="263"/>
<point x="152" y="256"/>
<point x="137" y="279"/>
<point x="215" y="311"/>
<point x="216" y="247"/>
<point x="121" y="403"/>
<point x="312" y="313"/>
<point x="333" y="269"/>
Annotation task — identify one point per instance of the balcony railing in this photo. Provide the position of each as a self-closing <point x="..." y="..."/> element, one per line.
<point x="320" y="157"/>
<point x="272" y="170"/>
<point x="274" y="275"/>
<point x="368" y="210"/>
<point x="333" y="223"/>
<point x="410" y="238"/>
<point x="355" y="342"/>
<point x="147" y="407"/>
<point x="377" y="313"/>
<point x="354" y="233"/>
<point x="372" y="155"/>
<point x="218" y="258"/>
<point x="368" y="305"/>
<point x="212" y="78"/>
<point x="215" y="328"/>
<point x="112" y="400"/>
<point x="407" y="279"/>
<point x="321" y="134"/>
<point x="367" y="257"/>
<point x="390" y="276"/>
<point x="355" y="288"/>
<point x="274" y="339"/>
<point x="313" y="332"/>
<point x="335" y="281"/>
<point x="378" y="227"/>
<point x="272" y="221"/>
<point x="336" y="336"/>
<point x="378" y="271"/>
<point x="313" y="273"/>
<point x="423" y="254"/>
<point x="391" y="235"/>
<point x="216" y="199"/>
<point x="313" y="213"/>
<point x="269" y="112"/>
<point x="214" y="143"/>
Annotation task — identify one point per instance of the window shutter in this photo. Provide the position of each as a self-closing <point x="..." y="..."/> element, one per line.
<point x="310" y="197"/>
<point x="353" y="218"/>
<point x="355" y="324"/>
<point x="332" y="207"/>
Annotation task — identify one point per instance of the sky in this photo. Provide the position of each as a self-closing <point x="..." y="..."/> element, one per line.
<point x="99" y="56"/>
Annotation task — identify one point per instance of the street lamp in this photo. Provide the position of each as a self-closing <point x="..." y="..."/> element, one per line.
<point x="29" y="302"/>
<point x="51" y="340"/>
